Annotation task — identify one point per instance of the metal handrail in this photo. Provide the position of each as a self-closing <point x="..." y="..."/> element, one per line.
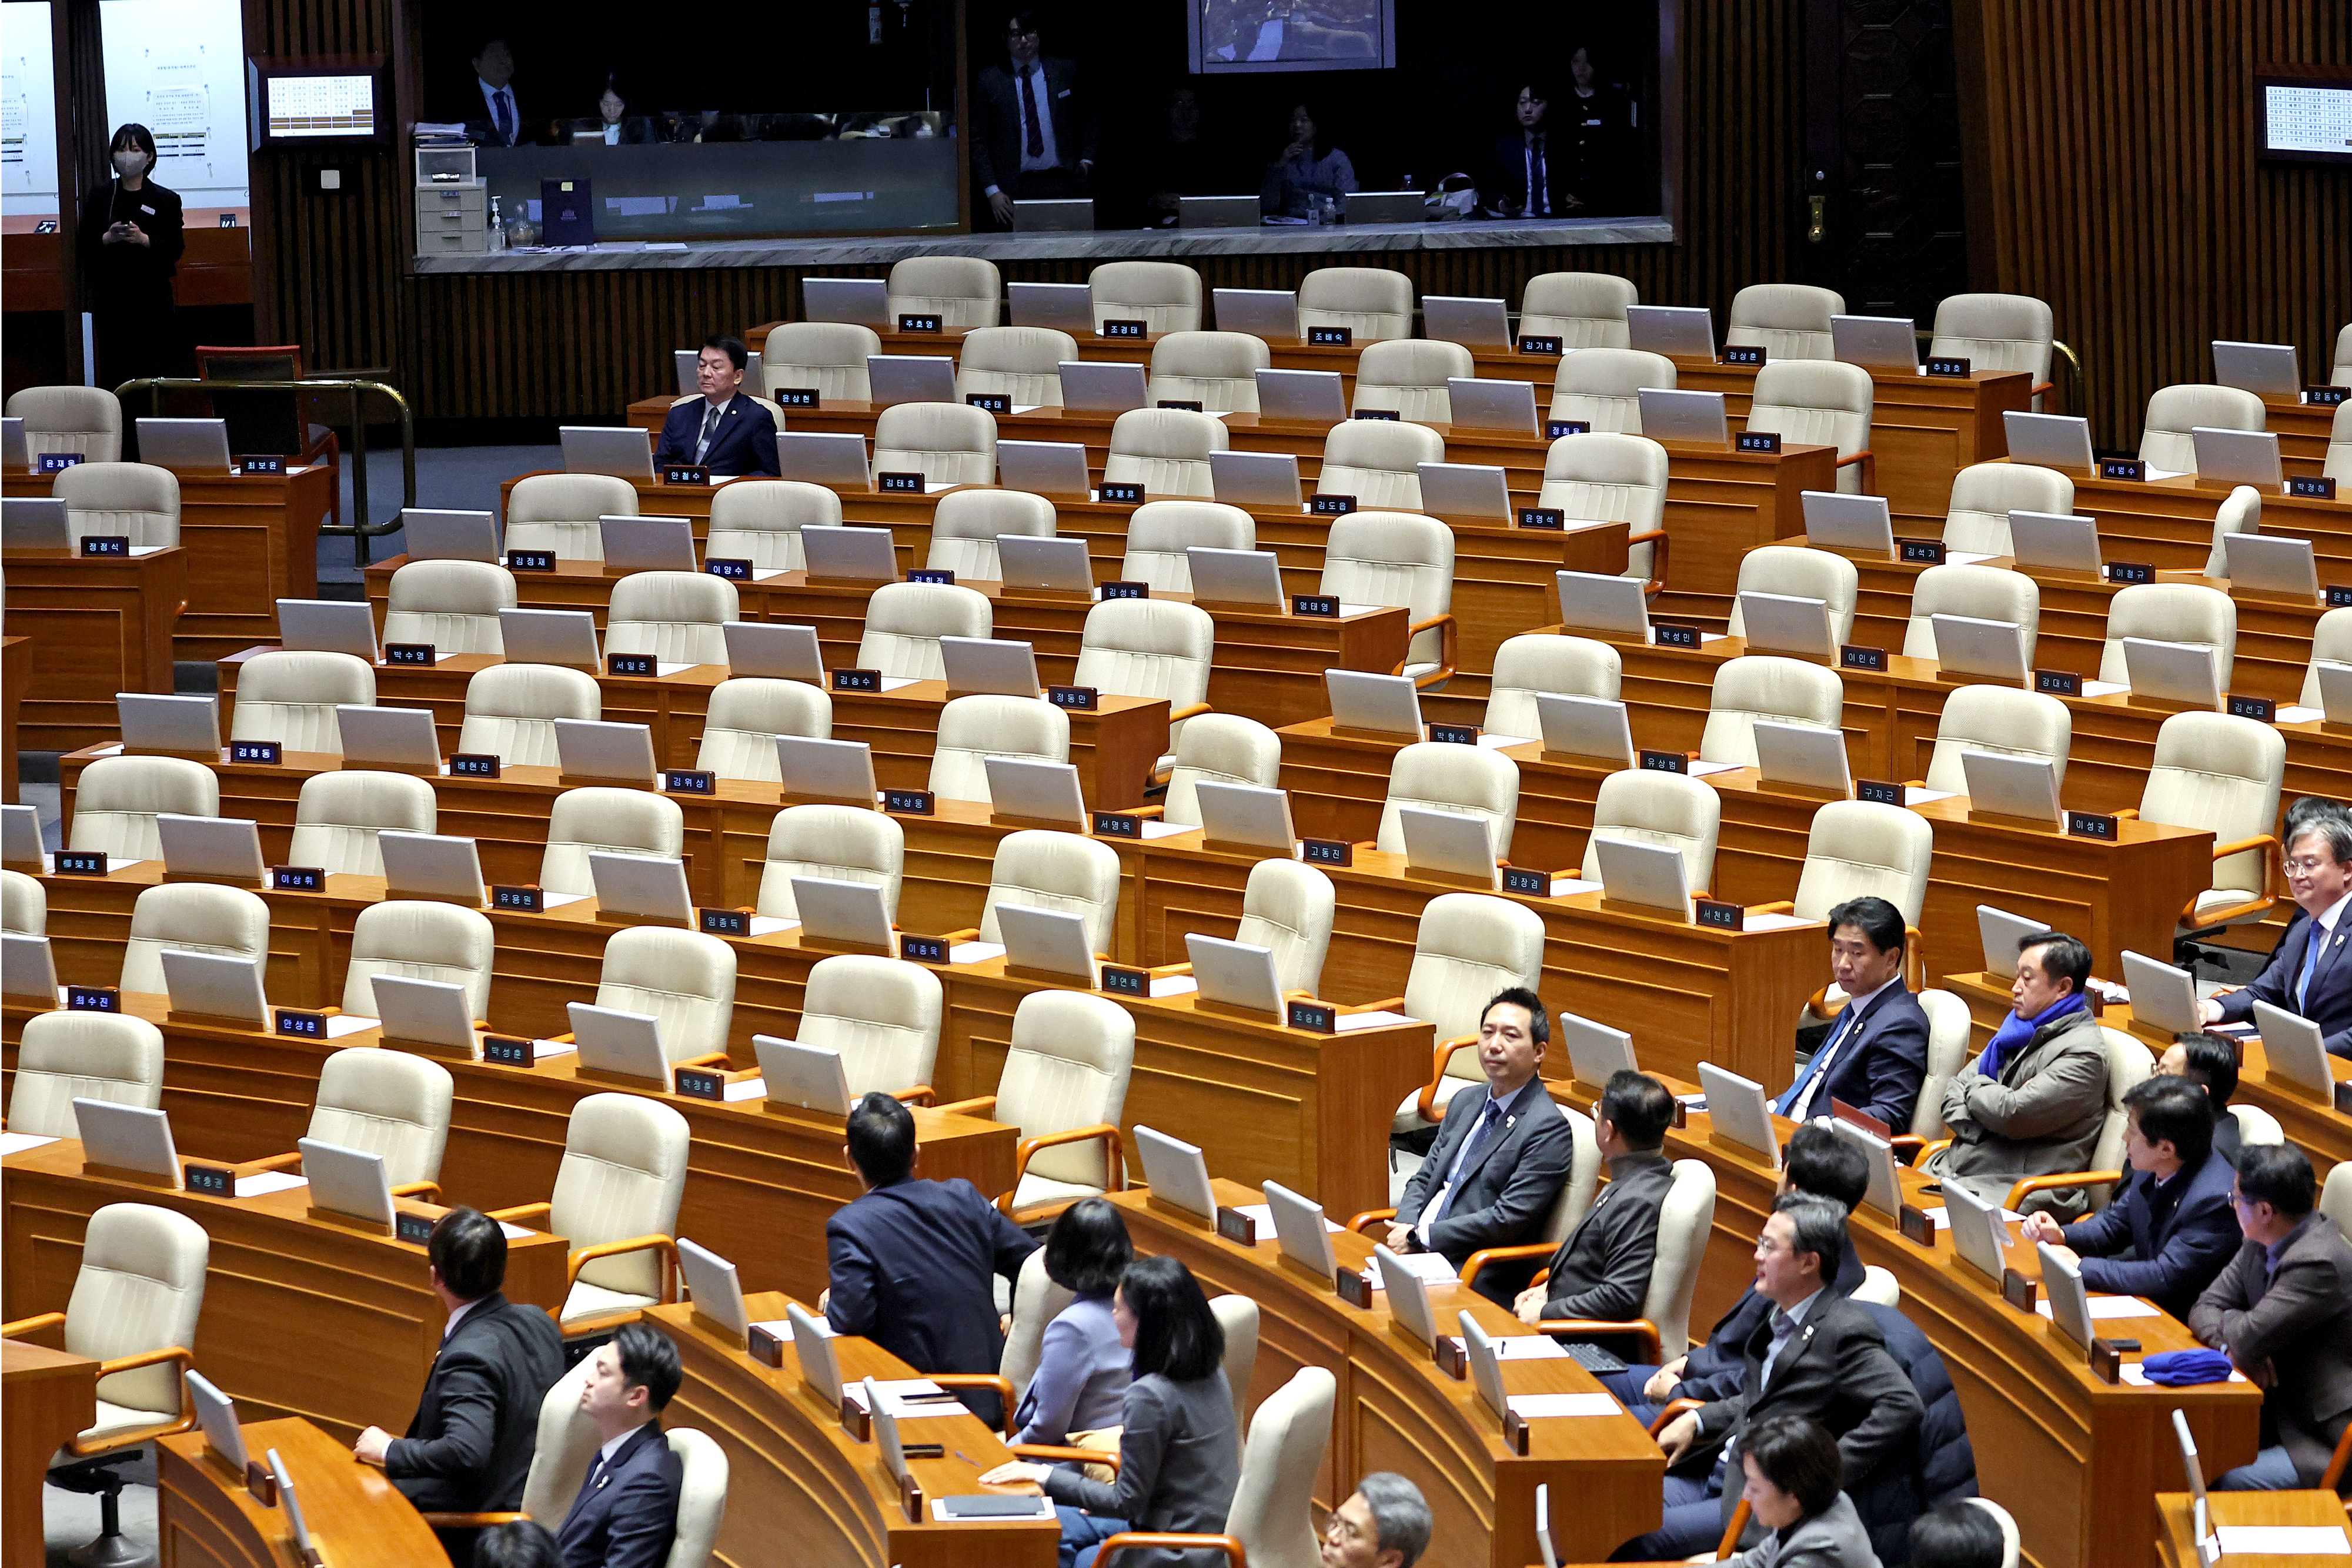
<point x="361" y="530"/>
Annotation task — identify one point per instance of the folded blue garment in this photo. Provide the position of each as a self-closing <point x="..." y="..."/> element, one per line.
<point x="2175" y="1368"/>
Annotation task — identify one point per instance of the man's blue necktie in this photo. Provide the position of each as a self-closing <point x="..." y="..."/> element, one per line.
<point x="506" y="116"/>
<point x="2313" y="947"/>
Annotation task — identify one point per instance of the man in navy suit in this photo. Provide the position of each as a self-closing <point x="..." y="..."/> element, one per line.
<point x="1875" y="1055"/>
<point x="726" y="433"/>
<point x="911" y="1260"/>
<point x="2171" y="1231"/>
<point x="627" y="1513"/>
<point x="2309" y="975"/>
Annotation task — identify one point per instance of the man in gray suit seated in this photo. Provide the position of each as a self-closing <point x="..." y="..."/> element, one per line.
<point x="1501" y="1156"/>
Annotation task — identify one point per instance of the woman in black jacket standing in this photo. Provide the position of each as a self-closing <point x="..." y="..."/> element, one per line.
<point x="131" y="242"/>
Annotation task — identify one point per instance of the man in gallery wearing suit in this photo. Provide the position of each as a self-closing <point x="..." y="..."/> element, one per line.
<point x="724" y="430"/>
<point x="2309" y="975"/>
<point x="627" y="1513"/>
<point x="1035" y="131"/>
<point x="1502" y="1154"/>
<point x="1874" y="1057"/>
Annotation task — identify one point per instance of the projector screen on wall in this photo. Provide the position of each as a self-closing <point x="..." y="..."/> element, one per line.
<point x="1235" y="35"/>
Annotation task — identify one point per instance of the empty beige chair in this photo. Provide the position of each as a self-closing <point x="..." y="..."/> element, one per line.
<point x="1469" y="946"/>
<point x="1763" y="685"/>
<point x="1288" y="909"/>
<point x="1672" y="811"/>
<point x="289" y="696"/>
<point x="559" y="512"/>
<point x="762" y="523"/>
<point x="843" y="844"/>
<point x="1980" y="593"/>
<point x="949" y="444"/>
<point x="136" y="1298"/>
<point x="24" y="904"/>
<point x="883" y="1016"/>
<point x="1824" y="401"/>
<point x="904" y="623"/>
<point x="827" y="358"/>
<point x="1160" y="532"/>
<point x="2172" y="613"/>
<point x="1787" y="320"/>
<point x="138" y="501"/>
<point x="118" y="799"/>
<point x="2338" y="466"/>
<point x="70" y="1056"/>
<point x="2222" y="775"/>
<point x="2331" y="644"/>
<point x="2341" y="376"/>
<point x="1613" y="478"/>
<point x="1859" y="849"/>
<point x="337" y="815"/>
<point x="88" y="420"/>
<point x="1378" y="462"/>
<point x="985" y="724"/>
<point x="2336" y="1195"/>
<point x="452" y="604"/>
<point x="2000" y="719"/>
<point x="1997" y="332"/>
<point x="1583" y="310"/>
<point x="2241" y="512"/>
<point x="1272" y="1516"/>
<point x="1372" y="302"/>
<point x="1065" y="1085"/>
<point x="386" y="1103"/>
<point x="1221" y="749"/>
<point x="1217" y="370"/>
<point x="195" y="917"/>
<point x="1798" y="572"/>
<point x="965" y="523"/>
<point x="1409" y="375"/>
<point x="676" y="616"/>
<point x="1470" y="781"/>
<point x="511" y="709"/>
<point x="1165" y="296"/>
<point x="963" y="291"/>
<point x="1166" y="451"/>
<point x="1047" y="870"/>
<point x="2173" y="412"/>
<point x="747" y="713"/>
<point x="1984" y="494"/>
<point x="1602" y="387"/>
<point x="1404" y="560"/>
<point x="684" y="979"/>
<point x="701" y="1497"/>
<point x="600" y="817"/>
<point x="1023" y="363"/>
<point x="622" y="1174"/>
<point x="1151" y="648"/>
<point x="1537" y="663"/>
<point x="1948" y="1027"/>
<point x="420" y="939"/>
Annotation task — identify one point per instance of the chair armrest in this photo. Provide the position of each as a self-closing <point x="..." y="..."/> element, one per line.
<point x="1818" y="1004"/>
<point x="1862" y="456"/>
<point x="2128" y="814"/>
<point x="1148" y="814"/>
<point x="1054" y="1453"/>
<point x="1167" y="971"/>
<point x="2254" y="903"/>
<point x="915" y="1094"/>
<point x="1928" y="1151"/>
<point x="2018" y="1195"/>
<point x="1371" y="1217"/>
<point x="1659" y="537"/>
<point x="2334" y="1473"/>
<point x="32" y="1325"/>
<point x="707" y="1059"/>
<point x="1777" y="906"/>
<point x="470" y="1521"/>
<point x="1915" y="958"/>
<point x="1142" y="1539"/>
<point x="1386" y="1004"/>
<point x="566" y="1038"/>
<point x="1642" y="1329"/>
<point x="1004" y="1386"/>
<point x="177" y="1355"/>
<point x="1449" y="648"/>
<point x="969" y="933"/>
<point x="1729" y="1546"/>
<point x="1909" y="1147"/>
<point x="430" y="1191"/>
<point x="275" y="1163"/>
<point x="1438" y="1058"/>
<point x="580" y="1257"/>
<point x="1104" y="1131"/>
<point x="1672" y="1408"/>
<point x="983" y="1106"/>
<point x="1190" y="710"/>
<point x="1486" y="1255"/>
<point x="524" y="1214"/>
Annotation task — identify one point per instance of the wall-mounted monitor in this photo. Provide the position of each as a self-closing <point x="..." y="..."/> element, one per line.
<point x="1232" y="35"/>
<point x="2303" y="114"/>
<point x="309" y="103"/>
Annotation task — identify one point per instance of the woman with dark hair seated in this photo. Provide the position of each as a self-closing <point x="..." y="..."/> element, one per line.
<point x="1180" y="1453"/>
<point x="1082" y="1366"/>
<point x="1794" y="1481"/>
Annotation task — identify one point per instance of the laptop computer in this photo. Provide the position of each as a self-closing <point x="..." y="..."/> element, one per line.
<point x="825" y="769"/>
<point x="1059" y="215"/>
<point x="1473" y="490"/>
<point x="1740" y="1111"/>
<point x="2266" y="370"/>
<point x="2238" y="457"/>
<point x="218" y="985"/>
<point x="328" y="626"/>
<point x="128" y="1137"/>
<point x="911" y="378"/>
<point x="1039" y="791"/>
<point x="221" y="848"/>
<point x="2271" y="564"/>
<point x="431" y="866"/>
<point x="767" y="650"/>
<point x="1043" y="467"/>
<point x="627" y="452"/>
<point x="1383" y="207"/>
<point x="2047" y="440"/>
<point x="1099" y="386"/>
<point x="712" y="1285"/>
<point x="1593" y="727"/>
<point x="154" y="723"/>
<point x="1478" y="404"/>
<point x="20" y="835"/>
<point x="1989" y="650"/>
<point x="551" y="637"/>
<point x="1255" y="478"/>
<point x="2183" y="672"/>
<point x="599" y="748"/>
<point x="641" y="887"/>
<point x="1474" y="323"/>
<point x="1859" y="523"/>
<point x="813" y="1346"/>
<point x="1885" y="1193"/>
<point x="990" y="665"/>
<point x="835" y="909"/>
<point x="1980" y="1235"/>
<point x="1654" y="876"/>
<point x="27" y="968"/>
<point x="1408" y="1295"/>
<point x="886" y="1432"/>
<point x="291" y="1504"/>
<point x="1245" y="577"/>
<point x="1176" y="1172"/>
<point x="183" y="444"/>
<point x="1051" y="940"/>
<point x="2161" y="995"/>
<point x="1807" y="755"/>
<point x="1065" y="307"/>
<point x="1361" y="699"/>
<point x="614" y="1040"/>
<point x="823" y="457"/>
<point x="2007" y="786"/>
<point x="438" y="535"/>
<point x="2334" y="691"/>
<point x="430" y="1012"/>
<point x="850" y="555"/>
<point x="1044" y="561"/>
<point x="2001" y="932"/>
<point x="1595" y="1051"/>
<point x="2292" y="1045"/>
<point x="864" y="300"/>
<point x="1306" y="395"/>
<point x="34" y="522"/>
<point x="347" y="1181"/>
<point x="1236" y="974"/>
<point x="808" y="1076"/>
<point x="1298" y="1228"/>
<point x="1676" y="330"/>
<point x="647" y="544"/>
<point x="1453" y="843"/>
<point x="2053" y="541"/>
<point x="1787" y="623"/>
<point x="1251" y="815"/>
<point x="1692" y="416"/>
<point x="16" y="452"/>
<point x="2200" y="1508"/>
<point x="1217" y="211"/>
<point x="1268" y="313"/>
<point x="1875" y="342"/>
<point x="1484" y="1366"/>
<point x="217" y="1416"/>
<point x="2070" y="1302"/>
<point x="1612" y="606"/>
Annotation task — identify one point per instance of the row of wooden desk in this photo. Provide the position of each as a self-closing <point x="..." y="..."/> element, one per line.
<point x="81" y="632"/>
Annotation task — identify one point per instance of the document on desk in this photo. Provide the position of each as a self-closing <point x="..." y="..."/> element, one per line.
<point x="975" y="952"/>
<point x="2295" y="714"/>
<point x="1168" y="830"/>
<point x="907" y="1398"/>
<point x="269" y="1182"/>
<point x="557" y="900"/>
<point x="1570" y="887"/>
<point x="1535" y="1407"/>
<point x="342" y="1024"/>
<point x="1530" y="1347"/>
<point x="1349" y="1023"/>
<point x="516" y="1232"/>
<point x="1042" y="1509"/>
<point x="2104" y="688"/>
<point x="540" y="1049"/>
<point x="1262" y="1216"/>
<point x="1771" y="922"/>
<point x="2105" y="1307"/>
<point x="663" y="667"/>
<point x="769" y="925"/>
<point x="1173" y="986"/>
<point x="782" y="1327"/>
<point x="1940" y="1216"/>
<point x="2284" y="1541"/>
<point x="1964" y="556"/>
<point x="1432" y="1267"/>
<point x="1915" y="796"/>
<point x="1497" y="742"/>
<point x="1701" y="770"/>
<point x="17" y="1143"/>
<point x="744" y="1089"/>
<point x="892" y="682"/>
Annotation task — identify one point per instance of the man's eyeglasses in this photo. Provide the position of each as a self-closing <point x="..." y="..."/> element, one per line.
<point x="2309" y="865"/>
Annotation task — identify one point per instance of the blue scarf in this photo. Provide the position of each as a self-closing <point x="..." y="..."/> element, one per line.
<point x="2015" y="1031"/>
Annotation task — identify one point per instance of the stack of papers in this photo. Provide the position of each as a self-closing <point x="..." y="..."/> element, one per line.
<point x="17" y="1143"/>
<point x="1347" y="1023"/>
<point x="1431" y="1267"/>
<point x="2284" y="1541"/>
<point x="267" y="1182"/>
<point x="1262" y="1214"/>
<point x="2105" y="1307"/>
<point x="1534" y="1407"/>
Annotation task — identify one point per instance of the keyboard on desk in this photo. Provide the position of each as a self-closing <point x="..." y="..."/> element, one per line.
<point x="1592" y="1358"/>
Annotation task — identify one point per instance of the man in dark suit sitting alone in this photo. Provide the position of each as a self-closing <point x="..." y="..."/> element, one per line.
<point x="911" y="1260"/>
<point x="627" y="1513"/>
<point x="1875" y="1056"/>
<point x="2310" y="974"/>
<point x="726" y="432"/>
<point x="468" y="1449"/>
<point x="1602" y="1270"/>
<point x="1501" y="1153"/>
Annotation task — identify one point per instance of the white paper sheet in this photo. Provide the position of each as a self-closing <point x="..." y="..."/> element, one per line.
<point x="893" y="1390"/>
<point x="2104" y="688"/>
<point x="1430" y="1266"/>
<point x="1044" y="1509"/>
<point x="1497" y="742"/>
<point x="2153" y="471"/>
<point x="745" y="1089"/>
<point x="1569" y="886"/>
<point x="1347" y="610"/>
<point x="2284" y="1540"/>
<point x="1174" y="986"/>
<point x="517" y="1232"/>
<point x="974" y="952"/>
<point x="1533" y="1406"/>
<point x="1913" y="796"/>
<point x="17" y="1143"/>
<point x="2103" y="1308"/>
<point x="1530" y="1347"/>
<point x="892" y="682"/>
<point x="1963" y="558"/>
<point x="1347" y="1023"/>
<point x="1940" y="1216"/>
<point x="1701" y="770"/>
<point x="663" y="667"/>
<point x="557" y="900"/>
<point x="782" y="1327"/>
<point x="267" y="1182"/>
<point x="540" y="1049"/>
<point x="768" y="925"/>
<point x="342" y="1024"/>
<point x="2299" y="715"/>
<point x="1152" y="830"/>
<point x="1262" y="1214"/>
<point x="1771" y="922"/>
<point x="1027" y="407"/>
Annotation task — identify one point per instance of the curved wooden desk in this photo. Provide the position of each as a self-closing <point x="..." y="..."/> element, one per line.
<point x="355" y="1517"/>
<point x="49" y="1395"/>
<point x="2176" y="1535"/>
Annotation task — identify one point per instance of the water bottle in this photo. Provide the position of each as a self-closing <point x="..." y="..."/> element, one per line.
<point x="497" y="237"/>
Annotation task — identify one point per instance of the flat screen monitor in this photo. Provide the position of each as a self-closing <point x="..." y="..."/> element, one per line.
<point x="1229" y="38"/>
<point x="2306" y="113"/>
<point x="291" y="103"/>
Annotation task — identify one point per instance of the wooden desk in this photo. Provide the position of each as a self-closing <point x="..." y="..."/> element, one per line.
<point x="2169" y="522"/>
<point x="15" y="682"/>
<point x="796" y="1475"/>
<point x="2302" y="429"/>
<point x="50" y="1394"/>
<point x="357" y="1517"/>
<point x="2176" y="1534"/>
<point x="91" y="628"/>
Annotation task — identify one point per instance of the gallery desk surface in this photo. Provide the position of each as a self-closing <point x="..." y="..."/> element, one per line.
<point x="355" y="1516"/>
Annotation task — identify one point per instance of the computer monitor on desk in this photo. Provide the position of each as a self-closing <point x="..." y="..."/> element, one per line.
<point x="1650" y="876"/>
<point x="815" y="770"/>
<point x="1684" y="331"/>
<point x="808" y="1076"/>
<point x="1383" y="705"/>
<point x="328" y="626"/>
<point x="865" y="301"/>
<point x="428" y="1012"/>
<point x="1043" y="467"/>
<point x="1271" y="314"/>
<point x="1255" y="478"/>
<point x="647" y="544"/>
<point x="549" y="637"/>
<point x="1593" y="727"/>
<point x="626" y="1044"/>
<point x="1044" y="561"/>
<point x="990" y="665"/>
<point x="2266" y="370"/>
<point x="625" y="451"/>
<point x="34" y="522"/>
<point x="2271" y="564"/>
<point x="1861" y="524"/>
<point x="599" y="749"/>
<point x="213" y="848"/>
<point x="848" y="913"/>
<point x="1475" y="492"/>
<point x="1696" y="417"/>
<point x="1876" y="343"/>
<point x="1036" y="790"/>
<point x="438" y="535"/>
<point x="1063" y="307"/>
<point x="911" y="378"/>
<point x="347" y="1181"/>
<point x="1234" y="974"/>
<point x="1612" y="606"/>
<point x="1249" y="815"/>
<point x="188" y="726"/>
<point x="2003" y="784"/>
<point x="15" y="454"/>
<point x="1101" y="386"/>
<point x="2048" y="440"/>
<point x="1596" y="1051"/>
<point x="1452" y="843"/>
<point x="712" y="1285"/>
<point x="2185" y="673"/>
<point x="1220" y="212"/>
<point x="1073" y="214"/>
<point x="1739" y="1112"/>
<point x="850" y="555"/>
<point x="28" y="969"/>
<point x="1474" y="323"/>
<point x="2053" y="541"/>
<point x="431" y="866"/>
<point x="1176" y="1173"/>
<point x="127" y="1137"/>
<point x="216" y="985"/>
<point x="643" y="888"/>
<point x="836" y="458"/>
<point x="1249" y="577"/>
<point x="1985" y="650"/>
<point x="763" y="648"/>
<point x="183" y="445"/>
<point x="1478" y="404"/>
<point x="2238" y="457"/>
<point x="1308" y="396"/>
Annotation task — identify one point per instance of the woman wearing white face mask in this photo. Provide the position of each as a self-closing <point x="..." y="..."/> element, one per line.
<point x="131" y="242"/>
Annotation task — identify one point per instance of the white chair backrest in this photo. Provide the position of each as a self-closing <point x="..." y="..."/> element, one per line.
<point x="883" y="1016"/>
<point x="196" y="917"/>
<point x="1983" y="592"/>
<point x="747" y="713"/>
<point x="1583" y="310"/>
<point x="1067" y="1067"/>
<point x="1602" y="387"/>
<point x="1272" y="1512"/>
<point x="1861" y="847"/>
<point x="965" y="523"/>
<point x="1763" y="685"/>
<point x="1995" y="332"/>
<point x="452" y="604"/>
<point x="1289" y="908"/>
<point x="1998" y="718"/>
<point x="1222" y="748"/>
<point x="137" y="501"/>
<point x="1372" y="302"/>
<point x="1022" y="363"/>
<point x="685" y="979"/>
<point x="992" y="724"/>
<point x="1435" y="777"/>
<point x="701" y="1497"/>
<point x="1787" y="320"/>
<point x="1238" y="1316"/>
<point x="1470" y="946"/>
<point x="2241" y="512"/>
<point x="622" y="1173"/>
<point x="337" y="815"/>
<point x="2173" y="412"/>
<point x="511" y="709"/>
<point x="1824" y="400"/>
<point x="141" y="1287"/>
<point x="1378" y="462"/>
<point x="827" y="358"/>
<point x="24" y="904"/>
<point x="844" y="843"/>
<point x="600" y="817"/>
<point x="1166" y="451"/>
<point x="1671" y="809"/>
<point x="762" y="523"/>
<point x="1037" y="1301"/>
<point x="2331" y="644"/>
<point x="1537" y="663"/>
<point x="1160" y="532"/>
<point x="1165" y="296"/>
<point x="2129" y="1063"/>
<point x="1879" y="1287"/>
<point x="289" y="696"/>
<point x="1217" y="370"/>
<point x="118" y="798"/>
<point x="676" y="616"/>
<point x="2256" y="1125"/>
<point x="1409" y="375"/>
<point x="1149" y="648"/>
<point x="2172" y="613"/>
<point x="1048" y="870"/>
<point x="1947" y="1052"/>
<point x="1683" y="1228"/>
<point x="67" y="1056"/>
<point x="1394" y="558"/>
<point x="949" y="444"/>
<point x="965" y="291"/>
<point x="2221" y="773"/>
<point x="561" y="512"/>
<point x="420" y="939"/>
<point x="386" y="1103"/>
<point x="1984" y="494"/>
<point x="1800" y="573"/>
<point x="564" y="1447"/>
<point x="905" y="620"/>
<point x="2336" y="1195"/>
<point x="88" y="420"/>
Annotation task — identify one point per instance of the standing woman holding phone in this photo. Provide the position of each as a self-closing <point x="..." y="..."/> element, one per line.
<point x="130" y="243"/>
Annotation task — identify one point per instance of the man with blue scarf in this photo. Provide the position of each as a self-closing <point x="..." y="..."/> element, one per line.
<point x="2034" y="1102"/>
